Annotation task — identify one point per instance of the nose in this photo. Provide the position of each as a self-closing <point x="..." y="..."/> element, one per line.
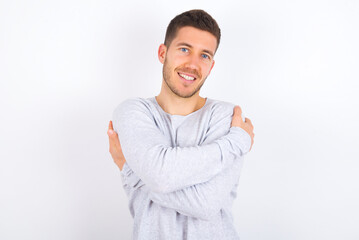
<point x="193" y="62"/>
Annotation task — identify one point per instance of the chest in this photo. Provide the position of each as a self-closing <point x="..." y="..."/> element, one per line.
<point x="184" y="131"/>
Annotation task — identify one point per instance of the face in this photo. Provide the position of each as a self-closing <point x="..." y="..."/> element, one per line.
<point x="188" y="61"/>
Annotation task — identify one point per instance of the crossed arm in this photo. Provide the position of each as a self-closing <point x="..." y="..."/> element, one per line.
<point x="198" y="192"/>
<point x="202" y="201"/>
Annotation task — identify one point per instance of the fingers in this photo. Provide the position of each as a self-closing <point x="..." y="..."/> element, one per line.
<point x="112" y="136"/>
<point x="237" y="111"/>
<point x="114" y="142"/>
<point x="248" y="121"/>
<point x="110" y="131"/>
<point x="237" y="120"/>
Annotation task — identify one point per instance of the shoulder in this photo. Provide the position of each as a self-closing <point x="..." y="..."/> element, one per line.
<point x="134" y="107"/>
<point x="221" y="108"/>
<point x="221" y="113"/>
<point x="133" y="104"/>
<point x="132" y="112"/>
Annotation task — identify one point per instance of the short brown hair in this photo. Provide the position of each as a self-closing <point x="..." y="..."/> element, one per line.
<point x="195" y="18"/>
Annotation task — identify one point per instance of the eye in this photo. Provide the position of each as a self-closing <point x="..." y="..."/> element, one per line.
<point x="205" y="56"/>
<point x="184" y="49"/>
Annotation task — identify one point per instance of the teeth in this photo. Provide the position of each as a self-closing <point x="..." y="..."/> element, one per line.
<point x="186" y="77"/>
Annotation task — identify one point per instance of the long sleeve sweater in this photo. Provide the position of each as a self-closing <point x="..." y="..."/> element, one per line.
<point x="181" y="172"/>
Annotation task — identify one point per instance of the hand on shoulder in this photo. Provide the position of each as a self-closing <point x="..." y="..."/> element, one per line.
<point x="246" y="125"/>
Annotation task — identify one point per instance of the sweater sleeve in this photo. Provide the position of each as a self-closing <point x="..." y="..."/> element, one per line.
<point x="203" y="200"/>
<point x="161" y="167"/>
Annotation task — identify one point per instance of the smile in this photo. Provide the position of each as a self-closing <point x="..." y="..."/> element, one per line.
<point x="187" y="77"/>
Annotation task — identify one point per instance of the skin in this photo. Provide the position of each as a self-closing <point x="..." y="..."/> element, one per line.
<point x="190" y="53"/>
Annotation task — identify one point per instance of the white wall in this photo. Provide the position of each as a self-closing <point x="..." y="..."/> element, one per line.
<point x="65" y="65"/>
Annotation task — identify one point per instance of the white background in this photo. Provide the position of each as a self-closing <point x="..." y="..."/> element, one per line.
<point x="65" y="66"/>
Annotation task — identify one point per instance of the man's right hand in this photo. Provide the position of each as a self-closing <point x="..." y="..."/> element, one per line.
<point x="115" y="147"/>
<point x="237" y="121"/>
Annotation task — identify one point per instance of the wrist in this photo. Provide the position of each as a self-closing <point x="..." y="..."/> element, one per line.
<point x="241" y="139"/>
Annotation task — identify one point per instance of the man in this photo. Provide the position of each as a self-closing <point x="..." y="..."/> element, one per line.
<point x="180" y="154"/>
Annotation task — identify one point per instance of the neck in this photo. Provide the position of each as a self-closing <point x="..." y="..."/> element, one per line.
<point x="175" y="105"/>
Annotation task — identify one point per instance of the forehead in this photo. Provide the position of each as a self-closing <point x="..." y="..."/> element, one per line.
<point x="195" y="37"/>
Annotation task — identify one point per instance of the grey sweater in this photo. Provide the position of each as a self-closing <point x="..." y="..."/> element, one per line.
<point x="181" y="172"/>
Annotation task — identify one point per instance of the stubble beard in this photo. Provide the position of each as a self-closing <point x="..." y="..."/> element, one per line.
<point x="166" y="72"/>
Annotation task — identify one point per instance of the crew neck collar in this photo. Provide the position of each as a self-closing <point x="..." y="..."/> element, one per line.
<point x="154" y="100"/>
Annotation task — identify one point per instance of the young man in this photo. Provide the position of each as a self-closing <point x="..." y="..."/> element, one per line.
<point x="180" y="154"/>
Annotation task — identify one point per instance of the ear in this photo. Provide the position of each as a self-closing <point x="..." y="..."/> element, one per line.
<point x="211" y="67"/>
<point x="162" y="53"/>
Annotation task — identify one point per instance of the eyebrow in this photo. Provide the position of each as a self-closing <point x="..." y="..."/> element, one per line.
<point x="190" y="46"/>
